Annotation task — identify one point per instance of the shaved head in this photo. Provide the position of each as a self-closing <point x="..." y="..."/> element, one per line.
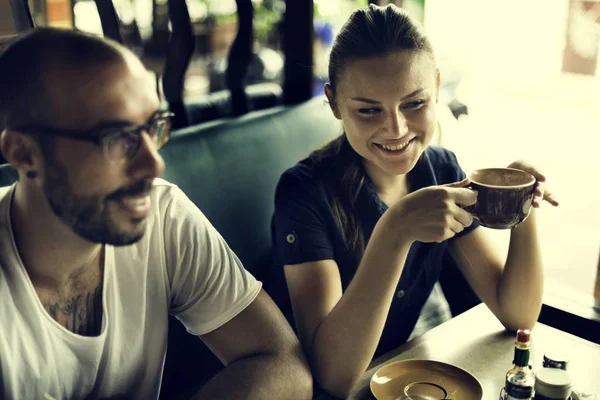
<point x="36" y="62"/>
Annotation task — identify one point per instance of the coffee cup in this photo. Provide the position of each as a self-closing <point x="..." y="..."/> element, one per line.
<point x="504" y="196"/>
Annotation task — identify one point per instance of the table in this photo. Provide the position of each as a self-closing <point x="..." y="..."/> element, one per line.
<point x="478" y="343"/>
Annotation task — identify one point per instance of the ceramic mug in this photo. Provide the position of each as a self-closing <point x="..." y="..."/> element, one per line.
<point x="504" y="196"/>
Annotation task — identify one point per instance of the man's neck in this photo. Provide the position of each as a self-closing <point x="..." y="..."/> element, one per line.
<point x="52" y="253"/>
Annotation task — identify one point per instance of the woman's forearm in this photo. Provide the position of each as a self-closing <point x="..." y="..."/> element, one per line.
<point x="521" y="286"/>
<point x="346" y="340"/>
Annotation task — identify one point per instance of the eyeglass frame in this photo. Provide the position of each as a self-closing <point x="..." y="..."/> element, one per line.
<point x="101" y="140"/>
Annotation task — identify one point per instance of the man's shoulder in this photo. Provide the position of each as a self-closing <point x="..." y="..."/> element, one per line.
<point x="169" y="202"/>
<point x="171" y="205"/>
<point x="163" y="193"/>
<point x="161" y="184"/>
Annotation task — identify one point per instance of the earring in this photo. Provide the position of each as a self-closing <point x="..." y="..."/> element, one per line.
<point x="31" y="174"/>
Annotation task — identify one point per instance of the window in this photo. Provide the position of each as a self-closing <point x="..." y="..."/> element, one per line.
<point x="526" y="70"/>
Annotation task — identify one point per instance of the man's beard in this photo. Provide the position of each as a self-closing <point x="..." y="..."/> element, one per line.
<point x="88" y="216"/>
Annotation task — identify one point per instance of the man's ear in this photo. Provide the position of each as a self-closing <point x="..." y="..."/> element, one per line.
<point x="21" y="151"/>
<point x="332" y="102"/>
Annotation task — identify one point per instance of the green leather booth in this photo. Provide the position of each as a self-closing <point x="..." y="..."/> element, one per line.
<point x="229" y="169"/>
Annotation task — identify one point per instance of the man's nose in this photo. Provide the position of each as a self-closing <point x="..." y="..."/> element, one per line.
<point x="147" y="163"/>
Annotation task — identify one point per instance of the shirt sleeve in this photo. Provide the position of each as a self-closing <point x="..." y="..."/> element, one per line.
<point x="208" y="283"/>
<point x="300" y="232"/>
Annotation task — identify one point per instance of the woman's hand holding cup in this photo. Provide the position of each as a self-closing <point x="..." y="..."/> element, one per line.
<point x="540" y="191"/>
<point x="433" y="214"/>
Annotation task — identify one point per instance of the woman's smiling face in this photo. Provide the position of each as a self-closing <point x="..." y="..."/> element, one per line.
<point x="388" y="108"/>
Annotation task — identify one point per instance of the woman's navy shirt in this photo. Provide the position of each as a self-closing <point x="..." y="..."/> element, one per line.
<point x="304" y="230"/>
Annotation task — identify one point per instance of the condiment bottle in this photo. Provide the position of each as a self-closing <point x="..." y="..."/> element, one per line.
<point x="520" y="379"/>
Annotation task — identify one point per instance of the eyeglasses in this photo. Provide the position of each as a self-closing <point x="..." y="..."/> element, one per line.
<point x="118" y="144"/>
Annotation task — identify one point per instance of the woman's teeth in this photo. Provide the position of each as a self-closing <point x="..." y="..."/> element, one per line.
<point x="396" y="147"/>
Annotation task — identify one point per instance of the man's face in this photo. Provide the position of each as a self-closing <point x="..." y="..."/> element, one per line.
<point x="101" y="200"/>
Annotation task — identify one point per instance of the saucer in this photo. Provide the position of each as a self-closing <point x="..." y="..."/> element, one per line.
<point x="424" y="379"/>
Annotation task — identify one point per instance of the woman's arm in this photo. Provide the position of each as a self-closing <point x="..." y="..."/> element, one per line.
<point x="512" y="289"/>
<point x="340" y="332"/>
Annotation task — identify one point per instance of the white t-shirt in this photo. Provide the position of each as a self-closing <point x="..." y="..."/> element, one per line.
<point x="181" y="266"/>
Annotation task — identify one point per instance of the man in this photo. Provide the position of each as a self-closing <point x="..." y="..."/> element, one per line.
<point x="95" y="252"/>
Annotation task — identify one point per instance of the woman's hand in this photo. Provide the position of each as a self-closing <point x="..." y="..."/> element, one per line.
<point x="433" y="214"/>
<point x="541" y="193"/>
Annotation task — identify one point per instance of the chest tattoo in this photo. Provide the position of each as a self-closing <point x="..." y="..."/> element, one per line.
<point x="81" y="314"/>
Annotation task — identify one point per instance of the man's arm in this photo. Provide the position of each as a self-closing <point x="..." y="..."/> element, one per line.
<point x="262" y="355"/>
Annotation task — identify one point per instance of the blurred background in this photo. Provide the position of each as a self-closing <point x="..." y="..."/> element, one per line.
<point x="520" y="80"/>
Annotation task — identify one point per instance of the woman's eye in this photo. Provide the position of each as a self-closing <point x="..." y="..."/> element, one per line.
<point x="368" y="111"/>
<point x="414" y="105"/>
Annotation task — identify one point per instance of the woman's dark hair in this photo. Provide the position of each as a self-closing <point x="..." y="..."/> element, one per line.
<point x="369" y="33"/>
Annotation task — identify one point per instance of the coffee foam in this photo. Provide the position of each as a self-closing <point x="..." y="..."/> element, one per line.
<point x="501" y="177"/>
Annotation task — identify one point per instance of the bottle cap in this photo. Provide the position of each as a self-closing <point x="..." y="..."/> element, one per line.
<point x="553" y="383"/>
<point x="555" y="359"/>
<point x="523" y="335"/>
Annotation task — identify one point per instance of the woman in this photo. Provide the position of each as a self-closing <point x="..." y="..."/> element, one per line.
<point x="362" y="225"/>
